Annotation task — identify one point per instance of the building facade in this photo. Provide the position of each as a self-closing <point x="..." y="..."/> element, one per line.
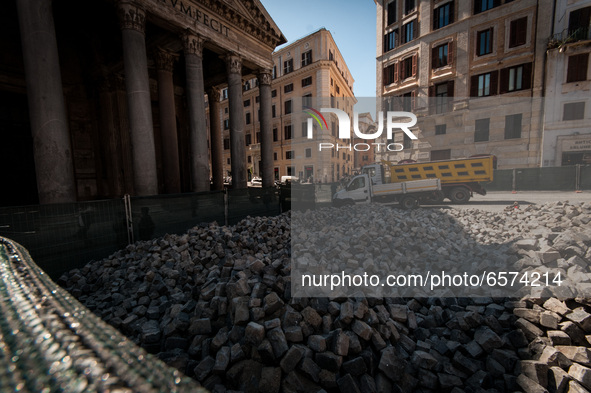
<point x="113" y="104"/>
<point x="309" y="73"/>
<point x="567" y="114"/>
<point x="473" y="73"/>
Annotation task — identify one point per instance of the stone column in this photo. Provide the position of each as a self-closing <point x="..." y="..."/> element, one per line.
<point x="170" y="144"/>
<point x="196" y="107"/>
<point x="49" y="124"/>
<point x="237" y="139"/>
<point x="216" y="139"/>
<point x="264" y="77"/>
<point x="132" y="20"/>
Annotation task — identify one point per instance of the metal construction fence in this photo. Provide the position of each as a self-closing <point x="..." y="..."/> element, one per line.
<point x="562" y="178"/>
<point x="61" y="237"/>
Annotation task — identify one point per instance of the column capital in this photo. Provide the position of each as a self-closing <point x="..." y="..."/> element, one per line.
<point x="164" y="60"/>
<point x="213" y="94"/>
<point x="131" y="16"/>
<point x="193" y="43"/>
<point x="234" y="63"/>
<point x="264" y="76"/>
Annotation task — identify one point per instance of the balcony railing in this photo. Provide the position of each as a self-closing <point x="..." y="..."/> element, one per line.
<point x="569" y="36"/>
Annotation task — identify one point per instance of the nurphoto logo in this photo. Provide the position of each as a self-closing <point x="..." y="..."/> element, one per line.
<point x="392" y="122"/>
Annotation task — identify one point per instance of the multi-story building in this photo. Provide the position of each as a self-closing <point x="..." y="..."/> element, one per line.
<point x="471" y="70"/>
<point x="567" y="135"/>
<point x="310" y="72"/>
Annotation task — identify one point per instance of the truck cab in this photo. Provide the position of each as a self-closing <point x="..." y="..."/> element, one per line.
<point x="375" y="172"/>
<point x="357" y="191"/>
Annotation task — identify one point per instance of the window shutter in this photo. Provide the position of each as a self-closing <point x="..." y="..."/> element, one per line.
<point x="526" y="83"/>
<point x="385" y="76"/>
<point x="385" y="43"/>
<point x="477" y="43"/>
<point x="450" y="88"/>
<point x="435" y="18"/>
<point x="450" y="53"/>
<point x="396" y="67"/>
<point x="415" y="29"/>
<point x="522" y="31"/>
<point x="451" y="12"/>
<point x="504" y="87"/>
<point x="434" y="57"/>
<point x="474" y="86"/>
<point x="477" y="9"/>
<point x="396" y="38"/>
<point x="413" y="99"/>
<point x="414" y="64"/>
<point x="494" y="82"/>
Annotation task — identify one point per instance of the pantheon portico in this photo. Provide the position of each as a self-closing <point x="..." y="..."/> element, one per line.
<point x="103" y="98"/>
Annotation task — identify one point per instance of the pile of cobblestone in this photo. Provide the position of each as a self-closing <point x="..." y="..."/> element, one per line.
<point x="217" y="304"/>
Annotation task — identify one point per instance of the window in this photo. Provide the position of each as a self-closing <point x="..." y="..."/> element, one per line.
<point x="308" y="153"/>
<point x="407" y="143"/>
<point x="330" y="55"/>
<point x="409" y="6"/>
<point x="391" y="12"/>
<point x="226" y="144"/>
<point x="481" y="130"/>
<point x="273" y="111"/>
<point x="249" y="159"/>
<point x="248" y="118"/>
<point x="274" y="73"/>
<point x="226" y="110"/>
<point x="409" y="31"/>
<point x="484" y="84"/>
<point x="248" y="139"/>
<point x="307" y="81"/>
<point x="246" y="86"/>
<point x="516" y="78"/>
<point x="485" y="5"/>
<point x="408" y="67"/>
<point x="513" y="126"/>
<point x="275" y="136"/>
<point x="408" y="101"/>
<point x="578" y="23"/>
<point x="287" y="106"/>
<point x="334" y="129"/>
<point x="228" y="161"/>
<point x="307" y="100"/>
<point x="287" y="132"/>
<point x="574" y="111"/>
<point x="440" y="129"/>
<point x="225" y="94"/>
<point x="391" y="40"/>
<point x="484" y="42"/>
<point x="518" y="32"/>
<point x="304" y="129"/>
<point x="442" y="92"/>
<point x="273" y="93"/>
<point x="258" y="137"/>
<point x="390" y="74"/>
<point x="289" y="155"/>
<point x="287" y="66"/>
<point x="226" y="124"/>
<point x="442" y="55"/>
<point x="443" y="16"/>
<point x="437" y="155"/>
<point x="306" y="58"/>
<point x="577" y="68"/>
<point x="246" y="103"/>
<point x="257" y="99"/>
<point x="288" y="88"/>
<point x="338" y="89"/>
<point x="274" y="156"/>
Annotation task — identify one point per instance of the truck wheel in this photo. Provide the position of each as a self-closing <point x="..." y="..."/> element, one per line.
<point x="409" y="202"/>
<point x="459" y="195"/>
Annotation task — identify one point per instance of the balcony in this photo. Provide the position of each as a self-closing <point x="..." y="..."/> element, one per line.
<point x="569" y="36"/>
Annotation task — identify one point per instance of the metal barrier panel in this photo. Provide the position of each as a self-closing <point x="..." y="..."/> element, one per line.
<point x="155" y="216"/>
<point x="502" y="181"/>
<point x="63" y="236"/>
<point x="585" y="182"/>
<point x="548" y="178"/>
<point x="252" y="202"/>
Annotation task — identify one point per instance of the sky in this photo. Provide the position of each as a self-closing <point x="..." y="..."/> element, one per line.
<point x="352" y="24"/>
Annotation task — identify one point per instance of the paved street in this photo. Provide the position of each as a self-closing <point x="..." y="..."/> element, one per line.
<point x="499" y="200"/>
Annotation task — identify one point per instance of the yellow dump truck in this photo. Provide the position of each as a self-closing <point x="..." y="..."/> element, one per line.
<point x="460" y="178"/>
